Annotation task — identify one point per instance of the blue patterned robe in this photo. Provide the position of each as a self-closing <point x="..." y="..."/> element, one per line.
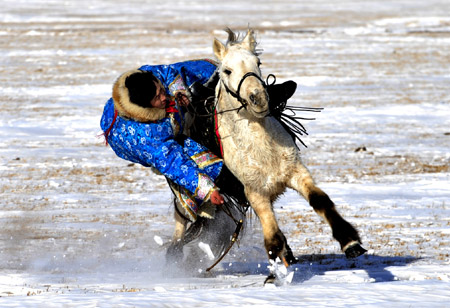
<point x="190" y="165"/>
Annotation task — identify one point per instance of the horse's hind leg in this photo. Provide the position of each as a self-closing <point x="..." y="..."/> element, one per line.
<point x="343" y="231"/>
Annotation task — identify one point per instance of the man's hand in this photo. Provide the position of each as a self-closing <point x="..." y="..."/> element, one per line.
<point x="216" y="198"/>
<point x="182" y="99"/>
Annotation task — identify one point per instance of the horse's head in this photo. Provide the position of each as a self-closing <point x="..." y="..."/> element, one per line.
<point x="240" y="74"/>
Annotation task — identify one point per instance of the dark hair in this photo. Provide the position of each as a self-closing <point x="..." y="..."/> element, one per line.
<point x="141" y="88"/>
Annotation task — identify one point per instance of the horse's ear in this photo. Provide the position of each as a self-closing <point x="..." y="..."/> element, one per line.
<point x="219" y="49"/>
<point x="249" y="41"/>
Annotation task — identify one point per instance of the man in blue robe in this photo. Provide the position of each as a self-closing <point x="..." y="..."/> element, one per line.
<point x="143" y="123"/>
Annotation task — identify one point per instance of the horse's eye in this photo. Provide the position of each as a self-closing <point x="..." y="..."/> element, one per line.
<point x="226" y="71"/>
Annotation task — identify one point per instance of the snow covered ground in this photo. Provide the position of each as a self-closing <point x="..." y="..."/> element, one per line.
<point x="81" y="228"/>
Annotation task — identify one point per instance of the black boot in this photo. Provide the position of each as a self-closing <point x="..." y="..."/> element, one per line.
<point x="279" y="94"/>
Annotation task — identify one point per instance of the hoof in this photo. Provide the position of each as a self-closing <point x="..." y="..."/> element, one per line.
<point x="271" y="279"/>
<point x="354" y="250"/>
<point x="279" y="275"/>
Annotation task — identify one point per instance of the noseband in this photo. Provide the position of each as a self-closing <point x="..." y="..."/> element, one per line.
<point x="237" y="94"/>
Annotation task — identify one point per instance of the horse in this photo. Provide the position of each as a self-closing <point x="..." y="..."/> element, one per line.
<point x="261" y="153"/>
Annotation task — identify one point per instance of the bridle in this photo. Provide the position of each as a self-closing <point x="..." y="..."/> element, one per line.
<point x="237" y="94"/>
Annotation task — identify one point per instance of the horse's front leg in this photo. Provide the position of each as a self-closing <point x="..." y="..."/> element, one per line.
<point x="274" y="240"/>
<point x="343" y="231"/>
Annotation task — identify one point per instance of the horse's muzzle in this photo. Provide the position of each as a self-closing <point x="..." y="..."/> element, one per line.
<point x="259" y="98"/>
<point x="259" y="102"/>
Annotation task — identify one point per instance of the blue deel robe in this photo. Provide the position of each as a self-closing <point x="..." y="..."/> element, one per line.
<point x="192" y="166"/>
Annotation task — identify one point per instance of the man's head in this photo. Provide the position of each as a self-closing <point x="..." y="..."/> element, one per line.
<point x="145" y="90"/>
<point x="139" y="95"/>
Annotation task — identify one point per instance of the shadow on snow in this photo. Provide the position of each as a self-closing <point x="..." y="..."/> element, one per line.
<point x="309" y="266"/>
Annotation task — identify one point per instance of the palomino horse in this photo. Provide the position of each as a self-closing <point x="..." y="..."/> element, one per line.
<point x="261" y="154"/>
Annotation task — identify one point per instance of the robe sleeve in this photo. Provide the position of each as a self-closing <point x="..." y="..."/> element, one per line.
<point x="153" y="145"/>
<point x="179" y="76"/>
<point x="171" y="79"/>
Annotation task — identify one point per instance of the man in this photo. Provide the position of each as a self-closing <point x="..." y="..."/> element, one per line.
<point x="143" y="123"/>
